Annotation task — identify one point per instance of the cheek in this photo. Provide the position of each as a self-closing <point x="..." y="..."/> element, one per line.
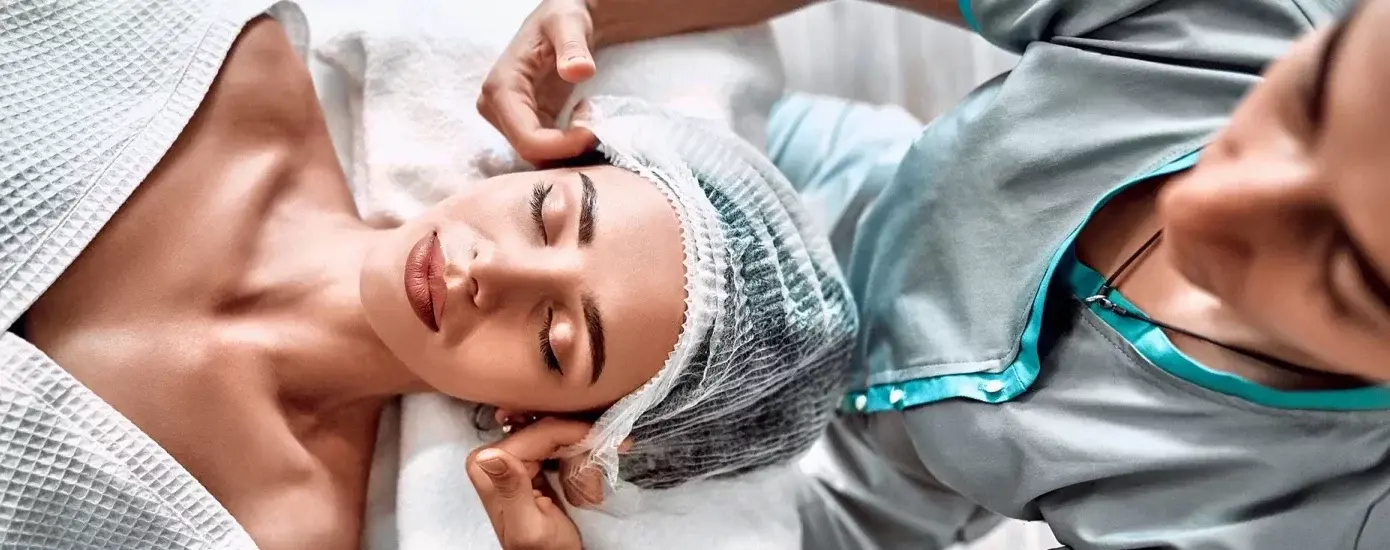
<point x="491" y="366"/>
<point x="382" y="290"/>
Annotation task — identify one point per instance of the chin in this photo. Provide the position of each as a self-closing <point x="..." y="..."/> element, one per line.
<point x="382" y="292"/>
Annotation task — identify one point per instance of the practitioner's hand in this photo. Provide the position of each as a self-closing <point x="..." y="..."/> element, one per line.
<point x="508" y="478"/>
<point x="531" y="81"/>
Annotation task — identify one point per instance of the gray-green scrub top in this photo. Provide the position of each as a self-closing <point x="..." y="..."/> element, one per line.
<point x="987" y="387"/>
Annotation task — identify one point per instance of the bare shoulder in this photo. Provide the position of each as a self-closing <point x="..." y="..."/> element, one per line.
<point x="264" y="89"/>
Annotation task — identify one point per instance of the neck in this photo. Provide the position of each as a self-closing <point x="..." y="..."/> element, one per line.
<point x="300" y="305"/>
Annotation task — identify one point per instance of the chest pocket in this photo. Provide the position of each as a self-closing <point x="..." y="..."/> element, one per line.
<point x="1375" y="533"/>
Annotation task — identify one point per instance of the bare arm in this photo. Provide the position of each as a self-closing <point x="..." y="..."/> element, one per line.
<point x="619" y="21"/>
<point x="527" y="87"/>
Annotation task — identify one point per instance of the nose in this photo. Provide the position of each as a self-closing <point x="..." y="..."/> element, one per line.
<point x="1249" y="201"/>
<point x="522" y="274"/>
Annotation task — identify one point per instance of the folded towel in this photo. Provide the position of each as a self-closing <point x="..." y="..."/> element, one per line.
<point x="414" y="71"/>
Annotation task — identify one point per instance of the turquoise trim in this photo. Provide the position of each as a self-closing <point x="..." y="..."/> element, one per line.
<point x="1005" y="385"/>
<point x="1152" y="343"/>
<point x="967" y="12"/>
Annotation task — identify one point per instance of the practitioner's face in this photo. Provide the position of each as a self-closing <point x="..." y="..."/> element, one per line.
<point x="560" y="290"/>
<point x="1287" y="217"/>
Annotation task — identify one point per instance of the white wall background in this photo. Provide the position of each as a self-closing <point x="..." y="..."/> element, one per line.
<point x="874" y="53"/>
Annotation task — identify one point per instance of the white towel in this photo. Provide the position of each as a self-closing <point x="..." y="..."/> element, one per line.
<point x="414" y="71"/>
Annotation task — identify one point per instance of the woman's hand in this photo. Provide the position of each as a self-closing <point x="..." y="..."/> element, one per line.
<point x="517" y="497"/>
<point x="531" y="81"/>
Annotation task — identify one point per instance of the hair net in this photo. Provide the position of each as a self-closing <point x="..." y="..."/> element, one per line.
<point x="769" y="326"/>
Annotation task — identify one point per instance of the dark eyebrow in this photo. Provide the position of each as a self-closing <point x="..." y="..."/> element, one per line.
<point x="594" y="322"/>
<point x="1318" y="102"/>
<point x="586" y="210"/>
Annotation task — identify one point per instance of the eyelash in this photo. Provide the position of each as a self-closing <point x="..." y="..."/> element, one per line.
<point x="1371" y="282"/>
<point x="538" y="195"/>
<point x="547" y="351"/>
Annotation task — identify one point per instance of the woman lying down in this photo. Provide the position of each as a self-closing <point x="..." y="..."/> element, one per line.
<point x="209" y="371"/>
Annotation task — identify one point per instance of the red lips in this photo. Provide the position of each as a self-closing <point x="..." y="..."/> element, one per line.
<point x="424" y="280"/>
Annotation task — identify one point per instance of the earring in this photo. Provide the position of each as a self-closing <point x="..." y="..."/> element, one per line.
<point x="514" y="421"/>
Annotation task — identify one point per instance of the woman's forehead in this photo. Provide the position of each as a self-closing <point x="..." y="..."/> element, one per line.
<point x="637" y="273"/>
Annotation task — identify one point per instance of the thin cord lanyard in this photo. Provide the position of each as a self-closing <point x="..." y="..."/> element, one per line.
<point x="1102" y="299"/>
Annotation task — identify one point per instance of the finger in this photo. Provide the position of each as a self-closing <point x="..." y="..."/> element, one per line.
<point x="569" y="35"/>
<point x="581" y="481"/>
<point x="544" y="488"/>
<point x="582" y="115"/>
<point x="544" y="439"/>
<point x="506" y="493"/>
<point x="545" y="505"/>
<point x="533" y="470"/>
<point x="517" y="120"/>
<point x="511" y="108"/>
<point x="566" y="534"/>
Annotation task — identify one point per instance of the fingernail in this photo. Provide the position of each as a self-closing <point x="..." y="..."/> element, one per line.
<point x="493" y="466"/>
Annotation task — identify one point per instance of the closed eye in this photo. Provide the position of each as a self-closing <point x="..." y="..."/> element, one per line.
<point x="547" y="351"/>
<point x="1378" y="286"/>
<point x="538" y="196"/>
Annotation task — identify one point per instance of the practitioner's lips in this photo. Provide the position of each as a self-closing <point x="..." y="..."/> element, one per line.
<point x="424" y="280"/>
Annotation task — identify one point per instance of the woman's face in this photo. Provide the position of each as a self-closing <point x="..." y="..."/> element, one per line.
<point x="553" y="291"/>
<point x="1287" y="216"/>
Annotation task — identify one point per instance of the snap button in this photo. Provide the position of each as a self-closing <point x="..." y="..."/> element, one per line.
<point x="993" y="386"/>
<point x="896" y="396"/>
<point x="861" y="401"/>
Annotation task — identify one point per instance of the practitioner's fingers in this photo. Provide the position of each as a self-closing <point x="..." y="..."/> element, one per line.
<point x="569" y="30"/>
<point x="522" y="519"/>
<point x="543" y="439"/>
<point x="514" y="112"/>
<point x="582" y="480"/>
<point x="526" y="88"/>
